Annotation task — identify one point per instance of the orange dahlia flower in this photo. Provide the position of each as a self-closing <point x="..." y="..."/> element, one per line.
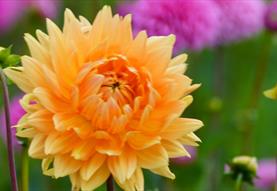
<point x="100" y="102"/>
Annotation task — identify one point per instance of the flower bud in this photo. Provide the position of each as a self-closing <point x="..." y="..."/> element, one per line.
<point x="245" y="166"/>
<point x="7" y="59"/>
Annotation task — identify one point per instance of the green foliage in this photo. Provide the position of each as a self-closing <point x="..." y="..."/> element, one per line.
<point x="7" y="59"/>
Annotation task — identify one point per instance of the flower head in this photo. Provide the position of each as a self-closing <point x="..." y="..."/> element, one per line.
<point x="101" y="102"/>
<point x="266" y="175"/>
<point x="47" y="8"/>
<point x="245" y="166"/>
<point x="240" y="19"/>
<point x="10" y="11"/>
<point x="271" y="93"/>
<point x="195" y="23"/>
<point x="271" y="16"/>
<point x="16" y="113"/>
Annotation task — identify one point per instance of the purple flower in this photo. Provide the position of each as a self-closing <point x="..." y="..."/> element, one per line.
<point x="16" y="113"/>
<point x="186" y="160"/>
<point x="271" y="16"/>
<point x="10" y="11"/>
<point x="240" y="19"/>
<point x="195" y="23"/>
<point x="46" y="8"/>
<point x="267" y="172"/>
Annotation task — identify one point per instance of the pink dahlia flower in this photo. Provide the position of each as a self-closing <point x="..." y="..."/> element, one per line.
<point x="46" y="8"/>
<point x="186" y="160"/>
<point x="271" y="16"/>
<point x="195" y="23"/>
<point x="16" y="113"/>
<point x="12" y="10"/>
<point x="240" y="19"/>
<point x="267" y="174"/>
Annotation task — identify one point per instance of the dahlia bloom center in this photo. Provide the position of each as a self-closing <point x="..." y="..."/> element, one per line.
<point x="120" y="81"/>
<point x="113" y="88"/>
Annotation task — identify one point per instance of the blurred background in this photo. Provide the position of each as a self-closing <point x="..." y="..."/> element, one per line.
<point x="232" y="47"/>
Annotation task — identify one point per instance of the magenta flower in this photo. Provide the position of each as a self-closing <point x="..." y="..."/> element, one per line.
<point x="16" y="113"/>
<point x="267" y="170"/>
<point x="186" y="160"/>
<point x="195" y="23"/>
<point x="46" y="8"/>
<point x="10" y="12"/>
<point x="271" y="16"/>
<point x="240" y="19"/>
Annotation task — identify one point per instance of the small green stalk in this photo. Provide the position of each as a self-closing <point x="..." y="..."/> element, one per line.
<point x="239" y="182"/>
<point x="25" y="169"/>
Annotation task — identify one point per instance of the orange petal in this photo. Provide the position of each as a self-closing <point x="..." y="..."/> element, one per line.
<point x="139" y="141"/>
<point x="136" y="182"/>
<point x="41" y="120"/>
<point x="59" y="143"/>
<point x="174" y="148"/>
<point x="180" y="59"/>
<point x="107" y="144"/>
<point x="36" y="149"/>
<point x="84" y="150"/>
<point x="190" y="139"/>
<point x="17" y="75"/>
<point x="67" y="121"/>
<point x="137" y="47"/>
<point x="180" y="127"/>
<point x="38" y="51"/>
<point x="123" y="166"/>
<point x="92" y="165"/>
<point x="97" y="179"/>
<point x="152" y="157"/>
<point x="65" y="165"/>
<point x="50" y="101"/>
<point x="163" y="171"/>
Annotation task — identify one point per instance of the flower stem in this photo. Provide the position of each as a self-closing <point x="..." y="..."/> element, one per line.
<point x="110" y="186"/>
<point x="218" y="90"/>
<point x="8" y="132"/>
<point x="25" y="170"/>
<point x="260" y="74"/>
<point x="239" y="183"/>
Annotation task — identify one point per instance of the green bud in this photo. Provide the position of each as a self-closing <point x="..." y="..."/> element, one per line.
<point x="7" y="59"/>
<point x="245" y="166"/>
<point x="12" y="60"/>
<point x="4" y="53"/>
